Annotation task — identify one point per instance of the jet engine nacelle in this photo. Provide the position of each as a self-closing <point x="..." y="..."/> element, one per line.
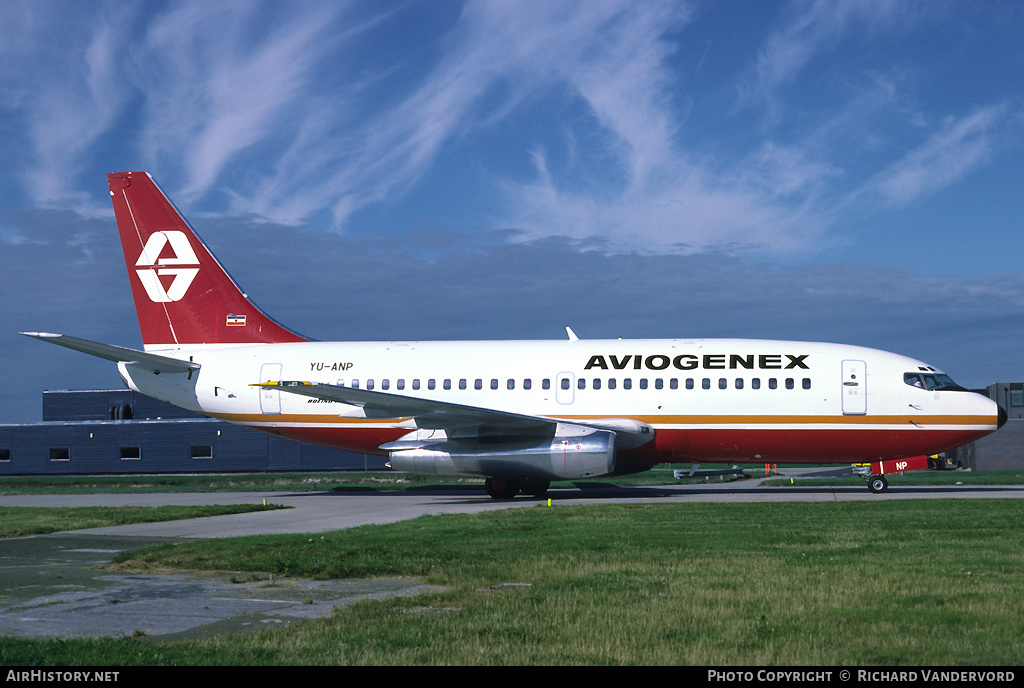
<point x="559" y="458"/>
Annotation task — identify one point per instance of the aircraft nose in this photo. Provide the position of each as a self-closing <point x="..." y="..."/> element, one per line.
<point x="1002" y="416"/>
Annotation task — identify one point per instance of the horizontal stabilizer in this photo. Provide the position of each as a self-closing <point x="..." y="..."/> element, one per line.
<point x="118" y="354"/>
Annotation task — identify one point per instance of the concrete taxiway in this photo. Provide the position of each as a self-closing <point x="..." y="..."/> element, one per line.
<point x="56" y="585"/>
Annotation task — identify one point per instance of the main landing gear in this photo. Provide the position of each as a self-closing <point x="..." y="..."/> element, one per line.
<point x="500" y="488"/>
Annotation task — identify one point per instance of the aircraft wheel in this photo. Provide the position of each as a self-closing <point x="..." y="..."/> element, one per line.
<point x="499" y="488"/>
<point x="536" y="488"/>
<point x="878" y="484"/>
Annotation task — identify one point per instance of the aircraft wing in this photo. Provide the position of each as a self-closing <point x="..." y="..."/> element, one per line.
<point x="118" y="354"/>
<point x="443" y="415"/>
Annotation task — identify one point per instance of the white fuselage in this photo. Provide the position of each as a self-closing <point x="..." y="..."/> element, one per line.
<point x="729" y="399"/>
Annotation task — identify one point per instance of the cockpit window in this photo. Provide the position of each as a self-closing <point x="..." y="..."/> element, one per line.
<point x="930" y="381"/>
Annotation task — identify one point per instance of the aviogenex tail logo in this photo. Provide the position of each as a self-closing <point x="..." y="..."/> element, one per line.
<point x="183" y="266"/>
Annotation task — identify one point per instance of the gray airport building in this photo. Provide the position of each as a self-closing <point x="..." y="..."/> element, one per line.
<point x="119" y="431"/>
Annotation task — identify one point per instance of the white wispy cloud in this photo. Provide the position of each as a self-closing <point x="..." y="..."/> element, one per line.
<point x="812" y="27"/>
<point x="68" y="96"/>
<point x="289" y="112"/>
<point x="957" y="148"/>
<point x="219" y="78"/>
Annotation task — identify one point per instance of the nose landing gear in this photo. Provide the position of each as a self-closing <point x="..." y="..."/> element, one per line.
<point x="878" y="484"/>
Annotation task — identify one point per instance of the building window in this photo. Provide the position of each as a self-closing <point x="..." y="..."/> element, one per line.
<point x="131" y="453"/>
<point x="60" y="453"/>
<point x="202" y="451"/>
<point x="5" y="454"/>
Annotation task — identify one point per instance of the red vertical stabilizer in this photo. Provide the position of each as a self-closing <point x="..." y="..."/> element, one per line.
<point x="182" y="294"/>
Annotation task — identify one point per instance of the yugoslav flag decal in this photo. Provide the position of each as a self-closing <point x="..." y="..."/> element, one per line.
<point x="183" y="266"/>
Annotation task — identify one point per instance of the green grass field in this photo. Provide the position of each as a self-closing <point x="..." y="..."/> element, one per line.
<point x="881" y="583"/>
<point x="22" y="521"/>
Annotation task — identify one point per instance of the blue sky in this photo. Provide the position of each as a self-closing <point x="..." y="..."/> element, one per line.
<point x="842" y="170"/>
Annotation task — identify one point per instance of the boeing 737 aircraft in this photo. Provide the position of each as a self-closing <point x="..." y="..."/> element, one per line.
<point x="517" y="413"/>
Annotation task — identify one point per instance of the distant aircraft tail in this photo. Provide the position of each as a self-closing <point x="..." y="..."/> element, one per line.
<point x="182" y="294"/>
